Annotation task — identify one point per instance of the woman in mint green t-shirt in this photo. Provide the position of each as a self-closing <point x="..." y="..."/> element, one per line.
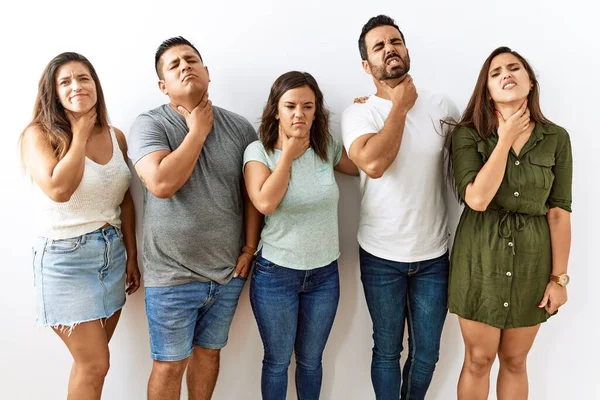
<point x="295" y="284"/>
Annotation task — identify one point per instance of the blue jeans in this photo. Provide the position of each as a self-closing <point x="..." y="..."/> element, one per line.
<point x="294" y="310"/>
<point x="191" y="314"/>
<point x="396" y="291"/>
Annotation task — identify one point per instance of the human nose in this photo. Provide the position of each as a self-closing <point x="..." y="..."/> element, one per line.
<point x="184" y="65"/>
<point x="75" y="85"/>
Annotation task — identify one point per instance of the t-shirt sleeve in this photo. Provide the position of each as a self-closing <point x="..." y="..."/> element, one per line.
<point x="146" y="136"/>
<point x="560" y="193"/>
<point x="249" y="134"/>
<point x="356" y="121"/>
<point x="335" y="151"/>
<point x="451" y="109"/>
<point x="255" y="152"/>
<point x="466" y="160"/>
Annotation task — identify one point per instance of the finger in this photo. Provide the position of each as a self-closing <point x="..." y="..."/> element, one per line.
<point x="544" y="301"/>
<point x="500" y="118"/>
<point x="135" y="286"/>
<point x="238" y="268"/>
<point x="523" y="108"/>
<point x="183" y="111"/>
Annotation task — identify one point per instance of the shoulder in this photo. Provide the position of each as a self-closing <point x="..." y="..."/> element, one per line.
<point x="356" y="109"/>
<point x="463" y="133"/>
<point x="553" y="129"/>
<point x="255" y="147"/>
<point x="230" y="115"/>
<point x="440" y="101"/>
<point x="33" y="133"/>
<point x="152" y="116"/>
<point x="120" y="138"/>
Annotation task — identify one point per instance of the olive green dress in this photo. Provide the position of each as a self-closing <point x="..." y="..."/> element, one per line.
<point x="501" y="259"/>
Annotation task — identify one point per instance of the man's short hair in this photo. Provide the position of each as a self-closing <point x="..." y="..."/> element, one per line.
<point x="375" y="22"/>
<point x="166" y="45"/>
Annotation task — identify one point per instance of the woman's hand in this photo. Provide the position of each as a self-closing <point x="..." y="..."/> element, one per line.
<point x="554" y="297"/>
<point x="82" y="125"/>
<point x="132" y="281"/>
<point x="511" y="128"/>
<point x="293" y="147"/>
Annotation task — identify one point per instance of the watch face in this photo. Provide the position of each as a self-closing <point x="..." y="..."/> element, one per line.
<point x="564" y="280"/>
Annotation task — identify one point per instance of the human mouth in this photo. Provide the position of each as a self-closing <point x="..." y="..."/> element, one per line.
<point x="393" y="61"/>
<point x="190" y="76"/>
<point x="509" y="85"/>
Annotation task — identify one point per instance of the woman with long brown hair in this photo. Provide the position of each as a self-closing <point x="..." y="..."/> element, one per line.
<point x="85" y="255"/>
<point x="295" y="285"/>
<point x="512" y="168"/>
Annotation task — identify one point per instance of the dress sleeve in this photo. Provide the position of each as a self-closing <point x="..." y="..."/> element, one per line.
<point x="560" y="194"/>
<point x="466" y="160"/>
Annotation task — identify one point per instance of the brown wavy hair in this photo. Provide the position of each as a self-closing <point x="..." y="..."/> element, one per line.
<point x="269" y="126"/>
<point x="49" y="115"/>
<point x="480" y="110"/>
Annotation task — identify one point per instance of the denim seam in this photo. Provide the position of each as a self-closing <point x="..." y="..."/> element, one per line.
<point x="103" y="269"/>
<point x="42" y="282"/>
<point x="411" y="348"/>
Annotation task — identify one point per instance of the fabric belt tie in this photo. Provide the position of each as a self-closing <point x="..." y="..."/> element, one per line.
<point x="510" y="221"/>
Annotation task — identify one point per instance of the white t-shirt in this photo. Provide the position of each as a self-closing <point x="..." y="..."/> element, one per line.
<point x="403" y="213"/>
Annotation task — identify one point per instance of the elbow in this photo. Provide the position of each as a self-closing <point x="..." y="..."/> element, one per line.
<point x="477" y="204"/>
<point x="60" y="195"/>
<point x="374" y="170"/>
<point x="162" y="191"/>
<point x="265" y="208"/>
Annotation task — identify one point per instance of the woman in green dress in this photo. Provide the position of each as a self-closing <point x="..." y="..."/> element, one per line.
<point x="512" y="168"/>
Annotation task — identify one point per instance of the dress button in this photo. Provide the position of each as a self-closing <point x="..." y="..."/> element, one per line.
<point x="510" y="244"/>
<point x="508" y="273"/>
<point x="505" y="304"/>
<point x="517" y="162"/>
<point x="516" y="194"/>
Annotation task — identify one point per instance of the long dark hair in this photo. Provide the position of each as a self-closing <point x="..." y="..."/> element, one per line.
<point x="269" y="126"/>
<point x="479" y="113"/>
<point x="48" y="113"/>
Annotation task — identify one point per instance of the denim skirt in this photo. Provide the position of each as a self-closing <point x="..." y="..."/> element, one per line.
<point x="79" y="279"/>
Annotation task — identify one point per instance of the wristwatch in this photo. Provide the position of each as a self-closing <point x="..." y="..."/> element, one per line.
<point x="562" y="279"/>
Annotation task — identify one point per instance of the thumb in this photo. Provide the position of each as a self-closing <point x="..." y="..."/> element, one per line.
<point x="544" y="300"/>
<point x="183" y="111"/>
<point x="500" y="118"/>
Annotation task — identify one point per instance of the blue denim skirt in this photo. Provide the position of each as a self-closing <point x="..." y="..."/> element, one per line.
<point x="79" y="279"/>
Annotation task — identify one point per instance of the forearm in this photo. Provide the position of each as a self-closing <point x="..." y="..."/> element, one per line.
<point x="560" y="238"/>
<point x="175" y="169"/>
<point x="128" y="226"/>
<point x="274" y="188"/>
<point x="480" y="193"/>
<point x="68" y="172"/>
<point x="381" y="149"/>
<point x="253" y="221"/>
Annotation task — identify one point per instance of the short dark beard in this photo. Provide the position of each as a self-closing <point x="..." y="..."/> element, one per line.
<point x="380" y="73"/>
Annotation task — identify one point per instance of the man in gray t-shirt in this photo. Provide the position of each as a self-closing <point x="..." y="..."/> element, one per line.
<point x="196" y="253"/>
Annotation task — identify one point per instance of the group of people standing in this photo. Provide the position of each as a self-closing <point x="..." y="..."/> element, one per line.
<point x="213" y="190"/>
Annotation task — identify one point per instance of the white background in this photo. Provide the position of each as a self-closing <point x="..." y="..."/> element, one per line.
<point x="246" y="45"/>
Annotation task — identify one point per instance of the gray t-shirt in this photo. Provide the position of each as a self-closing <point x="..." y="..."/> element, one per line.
<point x="197" y="234"/>
<point x="302" y="232"/>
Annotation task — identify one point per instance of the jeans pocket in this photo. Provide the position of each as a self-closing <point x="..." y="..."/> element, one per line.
<point x="262" y="264"/>
<point x="62" y="246"/>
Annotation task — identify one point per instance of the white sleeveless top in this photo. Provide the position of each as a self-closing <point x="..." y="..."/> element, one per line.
<point x="95" y="202"/>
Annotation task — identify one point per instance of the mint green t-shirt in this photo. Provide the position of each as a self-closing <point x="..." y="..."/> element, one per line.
<point x="302" y="232"/>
